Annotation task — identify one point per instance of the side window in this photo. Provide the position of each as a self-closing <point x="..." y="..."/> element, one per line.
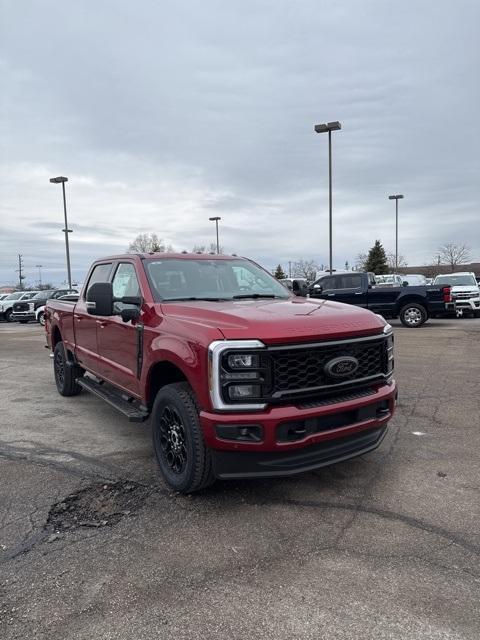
<point x="100" y="273"/>
<point x="125" y="283"/>
<point x="350" y="281"/>
<point x="329" y="283"/>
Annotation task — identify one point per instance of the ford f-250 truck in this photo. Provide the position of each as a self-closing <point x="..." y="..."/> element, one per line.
<point x="240" y="378"/>
<point x="412" y="304"/>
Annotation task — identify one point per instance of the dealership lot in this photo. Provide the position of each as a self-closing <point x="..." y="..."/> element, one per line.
<point x="92" y="544"/>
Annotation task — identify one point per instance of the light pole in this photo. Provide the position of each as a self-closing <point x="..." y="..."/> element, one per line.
<point x="39" y="267"/>
<point x="216" y="219"/>
<point x="62" y="180"/>
<point x="396" y="198"/>
<point x="323" y="128"/>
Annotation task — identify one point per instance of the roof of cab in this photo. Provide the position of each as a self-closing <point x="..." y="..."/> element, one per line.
<point x="178" y="256"/>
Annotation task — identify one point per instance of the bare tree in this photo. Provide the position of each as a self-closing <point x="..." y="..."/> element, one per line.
<point x="453" y="254"/>
<point x="391" y="262"/>
<point x="361" y="261"/>
<point x="201" y="248"/>
<point x="147" y="242"/>
<point x="305" y="269"/>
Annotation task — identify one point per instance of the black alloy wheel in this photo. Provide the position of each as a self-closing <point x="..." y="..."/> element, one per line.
<point x="184" y="460"/>
<point x="172" y="439"/>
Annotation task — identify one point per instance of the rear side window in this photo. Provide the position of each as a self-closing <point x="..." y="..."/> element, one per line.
<point x="100" y="273"/>
<point x="348" y="281"/>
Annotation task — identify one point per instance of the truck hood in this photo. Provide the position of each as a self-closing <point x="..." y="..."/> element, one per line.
<point x="278" y="321"/>
<point x="469" y="288"/>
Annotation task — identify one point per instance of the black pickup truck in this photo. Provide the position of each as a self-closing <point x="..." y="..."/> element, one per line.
<point x="412" y="304"/>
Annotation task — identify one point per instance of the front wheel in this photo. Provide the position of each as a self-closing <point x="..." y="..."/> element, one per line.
<point x="184" y="460"/>
<point x="9" y="315"/>
<point x="65" y="372"/>
<point x="413" y="315"/>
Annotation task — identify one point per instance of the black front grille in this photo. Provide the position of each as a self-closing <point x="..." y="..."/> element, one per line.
<point x="20" y="306"/>
<point x="297" y="369"/>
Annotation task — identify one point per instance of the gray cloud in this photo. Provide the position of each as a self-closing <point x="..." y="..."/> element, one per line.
<point x="162" y="113"/>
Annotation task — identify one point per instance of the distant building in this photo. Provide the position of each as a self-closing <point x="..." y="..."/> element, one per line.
<point x="7" y="289"/>
<point x="432" y="270"/>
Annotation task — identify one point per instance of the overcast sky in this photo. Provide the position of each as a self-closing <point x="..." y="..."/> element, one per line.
<point x="163" y="114"/>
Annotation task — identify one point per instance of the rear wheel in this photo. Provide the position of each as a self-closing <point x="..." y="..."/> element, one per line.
<point x="184" y="460"/>
<point x="65" y="372"/>
<point x="413" y="315"/>
<point x="41" y="318"/>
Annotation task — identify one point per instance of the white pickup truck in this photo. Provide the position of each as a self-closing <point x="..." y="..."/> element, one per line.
<point x="465" y="292"/>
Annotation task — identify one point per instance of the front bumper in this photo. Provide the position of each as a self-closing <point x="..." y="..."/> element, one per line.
<point x="363" y="423"/>
<point x="467" y="304"/>
<point x="23" y="315"/>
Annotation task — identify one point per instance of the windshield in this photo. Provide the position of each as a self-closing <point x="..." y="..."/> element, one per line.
<point x="14" y="296"/>
<point x="174" y="279"/>
<point x="454" y="280"/>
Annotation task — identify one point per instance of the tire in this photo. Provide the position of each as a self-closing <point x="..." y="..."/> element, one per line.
<point x="413" y="315"/>
<point x="65" y="372"/>
<point x="184" y="460"/>
<point x="41" y="318"/>
<point x="9" y="315"/>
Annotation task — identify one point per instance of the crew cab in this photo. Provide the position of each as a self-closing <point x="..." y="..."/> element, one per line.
<point x="24" y="311"/>
<point x="465" y="292"/>
<point x="412" y="304"/>
<point x="239" y="378"/>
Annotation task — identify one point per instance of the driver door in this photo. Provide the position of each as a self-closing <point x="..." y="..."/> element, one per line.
<point x="118" y="341"/>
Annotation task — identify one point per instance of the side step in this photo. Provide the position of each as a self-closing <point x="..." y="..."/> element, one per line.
<point x="131" y="411"/>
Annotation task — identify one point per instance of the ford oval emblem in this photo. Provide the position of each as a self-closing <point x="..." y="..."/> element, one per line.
<point x="341" y="367"/>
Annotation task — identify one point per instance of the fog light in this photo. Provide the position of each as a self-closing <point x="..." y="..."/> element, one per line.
<point x="242" y="391"/>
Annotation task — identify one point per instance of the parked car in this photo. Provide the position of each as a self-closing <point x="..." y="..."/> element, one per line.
<point x="389" y="280"/>
<point x="24" y="311"/>
<point x="413" y="305"/>
<point x="465" y="292"/>
<point x="40" y="312"/>
<point x="240" y="378"/>
<point x="414" y="279"/>
<point x="6" y="305"/>
<point x="298" y="286"/>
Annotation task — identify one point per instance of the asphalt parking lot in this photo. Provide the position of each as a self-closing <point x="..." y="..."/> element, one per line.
<point x="93" y="545"/>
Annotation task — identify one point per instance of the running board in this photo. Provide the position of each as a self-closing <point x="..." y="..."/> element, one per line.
<point x="132" y="412"/>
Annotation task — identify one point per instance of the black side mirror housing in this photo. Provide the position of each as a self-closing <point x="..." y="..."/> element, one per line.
<point x="405" y="283"/>
<point x="100" y="299"/>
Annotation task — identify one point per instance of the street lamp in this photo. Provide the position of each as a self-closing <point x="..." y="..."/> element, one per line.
<point x="396" y="198"/>
<point x="62" y="180"/>
<point x="323" y="128"/>
<point x="216" y="219"/>
<point x="39" y="267"/>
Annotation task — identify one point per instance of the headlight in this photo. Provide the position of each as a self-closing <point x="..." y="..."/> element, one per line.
<point x="236" y="374"/>
<point x="388" y="331"/>
<point x="243" y="361"/>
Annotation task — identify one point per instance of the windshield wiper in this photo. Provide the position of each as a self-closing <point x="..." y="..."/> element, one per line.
<point x="187" y="298"/>
<point x="255" y="295"/>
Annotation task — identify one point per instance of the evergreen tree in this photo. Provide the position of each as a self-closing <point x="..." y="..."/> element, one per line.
<point x="279" y="273"/>
<point x="377" y="259"/>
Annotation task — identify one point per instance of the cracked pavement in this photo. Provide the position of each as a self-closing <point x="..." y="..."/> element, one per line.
<point x="383" y="546"/>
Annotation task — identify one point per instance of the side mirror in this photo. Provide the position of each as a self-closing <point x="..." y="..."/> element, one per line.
<point x="100" y="299"/>
<point x="317" y="288"/>
<point x="405" y="283"/>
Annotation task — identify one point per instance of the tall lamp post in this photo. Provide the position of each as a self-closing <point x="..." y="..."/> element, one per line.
<point x="216" y="219"/>
<point x="324" y="128"/>
<point x="62" y="180"/>
<point x="39" y="267"/>
<point x="396" y="198"/>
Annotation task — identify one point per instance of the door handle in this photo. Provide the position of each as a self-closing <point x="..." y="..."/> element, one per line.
<point x="77" y="317"/>
<point x="101" y="323"/>
<point x="358" y="293"/>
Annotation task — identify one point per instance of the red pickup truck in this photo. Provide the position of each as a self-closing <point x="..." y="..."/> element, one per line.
<point x="240" y="378"/>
